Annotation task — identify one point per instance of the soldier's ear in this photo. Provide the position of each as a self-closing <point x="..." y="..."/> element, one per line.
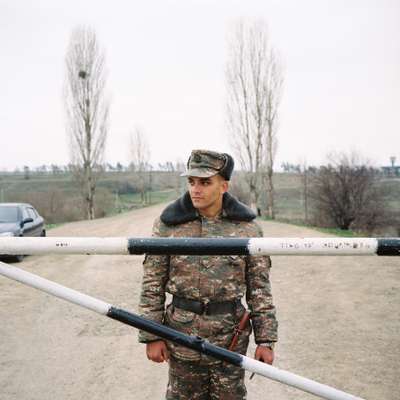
<point x="225" y="186"/>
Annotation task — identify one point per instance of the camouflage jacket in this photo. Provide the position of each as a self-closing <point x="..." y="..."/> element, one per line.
<point x="208" y="278"/>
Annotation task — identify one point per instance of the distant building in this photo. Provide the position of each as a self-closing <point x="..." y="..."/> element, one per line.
<point x="392" y="170"/>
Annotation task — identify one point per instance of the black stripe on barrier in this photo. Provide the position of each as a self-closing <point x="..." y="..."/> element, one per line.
<point x="388" y="247"/>
<point x="192" y="342"/>
<point x="189" y="246"/>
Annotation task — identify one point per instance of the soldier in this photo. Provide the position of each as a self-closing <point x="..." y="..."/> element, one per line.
<point x="207" y="290"/>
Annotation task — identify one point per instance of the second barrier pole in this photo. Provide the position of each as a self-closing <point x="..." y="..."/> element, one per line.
<point x="193" y="342"/>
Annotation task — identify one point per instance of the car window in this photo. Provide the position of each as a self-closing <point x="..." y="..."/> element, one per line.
<point x="8" y="214"/>
<point x="25" y="214"/>
<point x="31" y="213"/>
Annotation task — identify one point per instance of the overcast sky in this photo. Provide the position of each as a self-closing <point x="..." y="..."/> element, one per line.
<point x="166" y="63"/>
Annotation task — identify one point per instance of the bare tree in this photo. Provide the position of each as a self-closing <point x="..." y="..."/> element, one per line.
<point x="254" y="84"/>
<point x="87" y="110"/>
<point x="346" y="194"/>
<point x="140" y="156"/>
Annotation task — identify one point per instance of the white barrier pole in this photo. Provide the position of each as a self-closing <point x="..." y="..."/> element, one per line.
<point x="193" y="342"/>
<point x="201" y="246"/>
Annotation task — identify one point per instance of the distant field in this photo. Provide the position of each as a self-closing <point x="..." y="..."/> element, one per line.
<point x="57" y="196"/>
<point x="290" y="198"/>
<point x="127" y="202"/>
<point x="58" y="199"/>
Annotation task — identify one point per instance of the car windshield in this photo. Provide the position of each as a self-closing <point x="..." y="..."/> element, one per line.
<point x="8" y="214"/>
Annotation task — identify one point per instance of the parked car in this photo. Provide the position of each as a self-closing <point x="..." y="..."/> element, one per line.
<point x="20" y="219"/>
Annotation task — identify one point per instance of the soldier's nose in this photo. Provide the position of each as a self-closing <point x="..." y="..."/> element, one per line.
<point x="196" y="188"/>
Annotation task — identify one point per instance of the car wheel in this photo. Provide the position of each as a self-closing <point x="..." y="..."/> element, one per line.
<point x="43" y="234"/>
<point x="18" y="258"/>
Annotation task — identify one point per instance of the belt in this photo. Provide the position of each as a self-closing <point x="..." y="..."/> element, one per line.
<point x="208" y="308"/>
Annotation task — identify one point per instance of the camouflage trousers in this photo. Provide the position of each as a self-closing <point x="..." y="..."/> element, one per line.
<point x="194" y="381"/>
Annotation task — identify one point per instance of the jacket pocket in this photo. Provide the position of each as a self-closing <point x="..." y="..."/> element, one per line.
<point x="180" y="316"/>
<point x="238" y="267"/>
<point x="181" y="321"/>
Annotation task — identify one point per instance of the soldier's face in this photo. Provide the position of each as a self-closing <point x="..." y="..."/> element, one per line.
<point x="206" y="193"/>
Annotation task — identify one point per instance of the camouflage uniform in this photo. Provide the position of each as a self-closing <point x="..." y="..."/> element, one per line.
<point x="207" y="278"/>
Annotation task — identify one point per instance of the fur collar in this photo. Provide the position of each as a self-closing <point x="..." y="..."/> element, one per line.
<point x="182" y="210"/>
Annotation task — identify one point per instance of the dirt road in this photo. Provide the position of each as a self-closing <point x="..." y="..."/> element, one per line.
<point x="339" y="324"/>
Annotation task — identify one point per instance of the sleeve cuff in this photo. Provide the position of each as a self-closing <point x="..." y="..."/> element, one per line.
<point x="145" y="337"/>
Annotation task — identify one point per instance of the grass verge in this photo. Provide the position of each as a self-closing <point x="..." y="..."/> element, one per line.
<point x="331" y="231"/>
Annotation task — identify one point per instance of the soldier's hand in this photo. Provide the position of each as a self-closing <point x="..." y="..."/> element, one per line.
<point x="157" y="351"/>
<point x="264" y="354"/>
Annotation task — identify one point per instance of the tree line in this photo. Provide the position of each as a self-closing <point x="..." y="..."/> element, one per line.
<point x="345" y="193"/>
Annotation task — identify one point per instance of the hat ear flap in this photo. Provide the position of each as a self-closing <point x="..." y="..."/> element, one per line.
<point x="227" y="169"/>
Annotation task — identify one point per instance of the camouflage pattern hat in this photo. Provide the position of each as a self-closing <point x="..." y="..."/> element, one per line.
<point x="206" y="163"/>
